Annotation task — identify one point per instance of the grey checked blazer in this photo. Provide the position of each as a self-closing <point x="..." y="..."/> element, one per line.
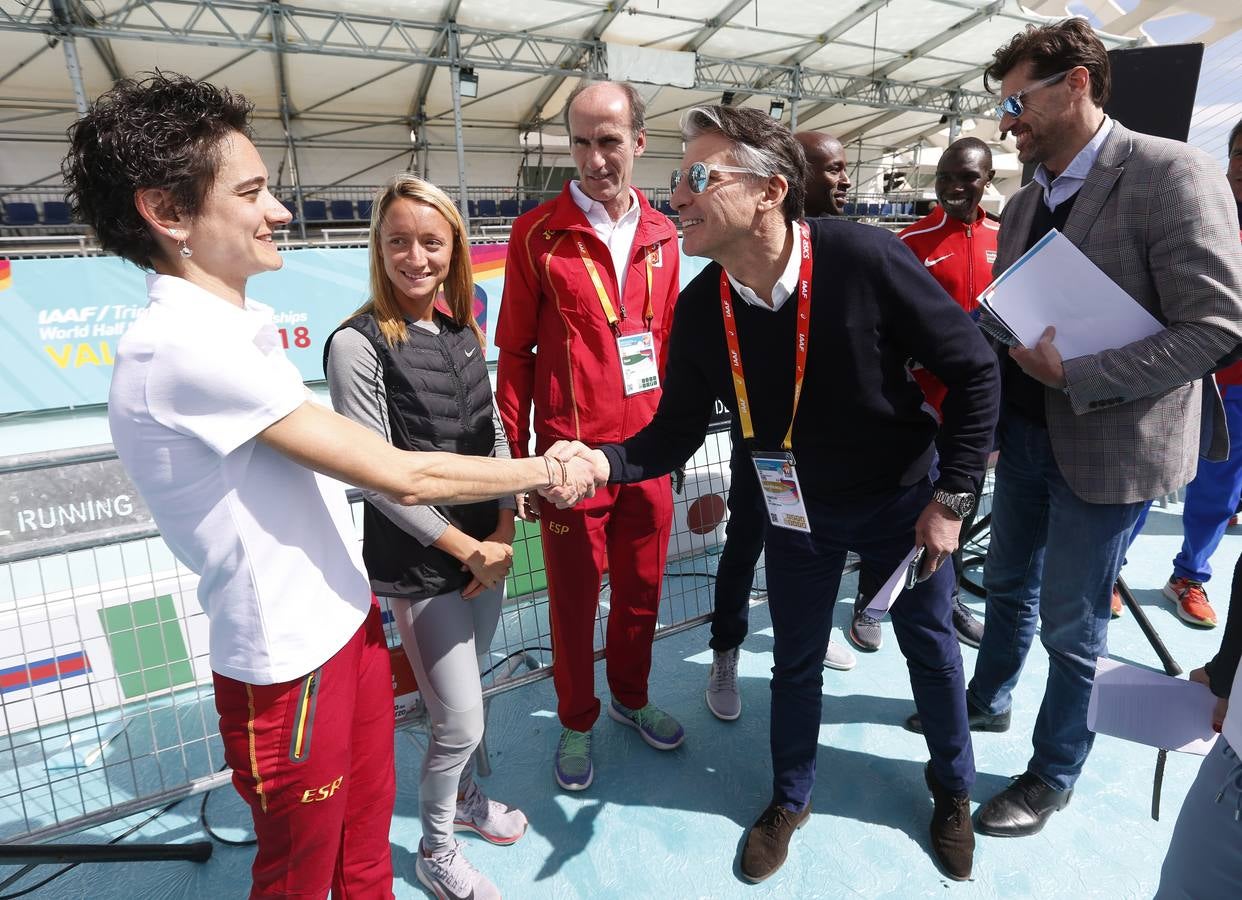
<point x="1158" y="218"/>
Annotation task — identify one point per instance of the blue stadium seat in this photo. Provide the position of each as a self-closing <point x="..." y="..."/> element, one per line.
<point x="342" y="210"/>
<point x="849" y="208"/>
<point x="315" y="210"/>
<point x="364" y="209"/>
<point x="292" y="207"/>
<point x="873" y="209"/>
<point x="56" y="212"/>
<point x="529" y="203"/>
<point x="472" y="208"/>
<point x="667" y="208"/>
<point x="487" y="209"/>
<point x="19" y="214"/>
<point x="509" y="208"/>
<point x="886" y="210"/>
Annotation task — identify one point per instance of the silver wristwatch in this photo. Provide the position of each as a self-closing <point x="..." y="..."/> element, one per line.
<point x="958" y="504"/>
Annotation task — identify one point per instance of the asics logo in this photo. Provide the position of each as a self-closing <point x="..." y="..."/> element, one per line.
<point x="929" y="262"/>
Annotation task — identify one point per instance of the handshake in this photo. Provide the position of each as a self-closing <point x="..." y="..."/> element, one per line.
<point x="574" y="472"/>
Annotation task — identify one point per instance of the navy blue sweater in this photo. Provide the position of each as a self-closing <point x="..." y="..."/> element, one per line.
<point x="862" y="426"/>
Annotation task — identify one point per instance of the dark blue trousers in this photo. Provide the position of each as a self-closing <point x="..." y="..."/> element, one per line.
<point x="804" y="573"/>
<point x="735" y="570"/>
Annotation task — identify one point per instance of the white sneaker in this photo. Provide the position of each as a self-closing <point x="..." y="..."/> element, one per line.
<point x="839" y="656"/>
<point x="722" y="695"/>
<point x="449" y="876"/>
<point x="495" y="822"/>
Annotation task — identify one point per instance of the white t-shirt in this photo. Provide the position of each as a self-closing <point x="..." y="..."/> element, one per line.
<point x="280" y="572"/>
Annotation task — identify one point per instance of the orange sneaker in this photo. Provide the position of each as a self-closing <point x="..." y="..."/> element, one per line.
<point x="1117" y="605"/>
<point x="1191" y="601"/>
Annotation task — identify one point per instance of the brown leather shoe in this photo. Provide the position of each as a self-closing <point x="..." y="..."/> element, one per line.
<point x="952" y="834"/>
<point x="767" y="843"/>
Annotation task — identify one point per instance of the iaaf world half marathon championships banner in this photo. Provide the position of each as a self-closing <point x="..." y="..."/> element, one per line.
<point x="61" y="319"/>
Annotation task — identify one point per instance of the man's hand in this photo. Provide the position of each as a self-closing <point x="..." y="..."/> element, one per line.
<point x="580" y="480"/>
<point x="489" y="564"/>
<point x="567" y="450"/>
<point x="528" y="506"/>
<point x="1043" y="361"/>
<point x="1222" y="703"/>
<point x="937" y="530"/>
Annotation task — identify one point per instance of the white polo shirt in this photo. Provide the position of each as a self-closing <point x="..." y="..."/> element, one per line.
<point x="280" y="572"/>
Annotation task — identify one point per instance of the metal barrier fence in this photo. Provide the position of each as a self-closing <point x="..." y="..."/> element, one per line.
<point x="106" y="705"/>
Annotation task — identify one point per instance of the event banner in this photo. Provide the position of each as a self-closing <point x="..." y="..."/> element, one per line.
<point x="61" y="319"/>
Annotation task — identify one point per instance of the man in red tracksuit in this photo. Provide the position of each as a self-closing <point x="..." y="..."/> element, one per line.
<point x="590" y="282"/>
<point x="957" y="245"/>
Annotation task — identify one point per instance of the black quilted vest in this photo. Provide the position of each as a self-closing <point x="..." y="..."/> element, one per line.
<point x="439" y="398"/>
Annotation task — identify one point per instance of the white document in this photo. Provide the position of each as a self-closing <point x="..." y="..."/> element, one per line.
<point x="1053" y="283"/>
<point x="1151" y="708"/>
<point x="886" y="596"/>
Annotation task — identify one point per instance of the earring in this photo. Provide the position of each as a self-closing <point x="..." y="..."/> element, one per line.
<point x="185" y="251"/>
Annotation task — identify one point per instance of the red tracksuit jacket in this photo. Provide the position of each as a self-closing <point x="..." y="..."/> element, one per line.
<point x="960" y="257"/>
<point x="550" y="303"/>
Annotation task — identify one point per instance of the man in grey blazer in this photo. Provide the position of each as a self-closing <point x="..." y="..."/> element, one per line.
<point x="1084" y="442"/>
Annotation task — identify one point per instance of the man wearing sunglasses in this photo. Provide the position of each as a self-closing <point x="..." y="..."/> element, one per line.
<point x="826" y="183"/>
<point x="793" y="319"/>
<point x="590" y="282"/>
<point x="1085" y="441"/>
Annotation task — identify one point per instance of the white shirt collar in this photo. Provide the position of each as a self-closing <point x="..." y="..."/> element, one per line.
<point x="595" y="212"/>
<point x="1058" y="190"/>
<point x="785" y="286"/>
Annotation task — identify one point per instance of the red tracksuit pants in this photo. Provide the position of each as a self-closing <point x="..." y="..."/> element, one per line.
<point x="314" y="759"/>
<point x="626" y="526"/>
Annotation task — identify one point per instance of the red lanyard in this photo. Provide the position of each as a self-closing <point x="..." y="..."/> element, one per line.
<point x="609" y="313"/>
<point x="803" y="337"/>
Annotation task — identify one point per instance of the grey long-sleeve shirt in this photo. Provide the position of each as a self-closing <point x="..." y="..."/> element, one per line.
<point x="356" y="385"/>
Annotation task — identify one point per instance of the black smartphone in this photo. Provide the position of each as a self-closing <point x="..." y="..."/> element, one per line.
<point x="912" y="572"/>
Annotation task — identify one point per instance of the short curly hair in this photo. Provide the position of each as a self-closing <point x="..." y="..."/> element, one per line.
<point x="159" y="130"/>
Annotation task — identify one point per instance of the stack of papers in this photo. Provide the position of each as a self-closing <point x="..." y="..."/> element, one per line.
<point x="1053" y="283"/>
<point x="1151" y="708"/>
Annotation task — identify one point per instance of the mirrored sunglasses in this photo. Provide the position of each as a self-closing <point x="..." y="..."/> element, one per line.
<point x="699" y="174"/>
<point x="1012" y="105"/>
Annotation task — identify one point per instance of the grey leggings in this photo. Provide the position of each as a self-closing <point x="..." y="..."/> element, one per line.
<point x="443" y="637"/>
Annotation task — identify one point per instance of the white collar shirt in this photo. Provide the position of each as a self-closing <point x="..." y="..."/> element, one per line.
<point x="617" y="236"/>
<point x="1067" y="184"/>
<point x="785" y="286"/>
<point x="281" y="577"/>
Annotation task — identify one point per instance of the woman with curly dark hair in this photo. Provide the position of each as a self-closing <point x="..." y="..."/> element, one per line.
<point x="239" y="465"/>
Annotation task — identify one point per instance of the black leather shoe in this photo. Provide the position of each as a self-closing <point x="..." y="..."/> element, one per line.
<point x="767" y="843"/>
<point x="969" y="629"/>
<point x="952" y="835"/>
<point x="1022" y="808"/>
<point x="978" y="719"/>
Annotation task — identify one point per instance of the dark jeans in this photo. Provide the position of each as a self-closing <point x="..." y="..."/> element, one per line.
<point x="735" y="573"/>
<point x="804" y="573"/>
<point x="1052" y="561"/>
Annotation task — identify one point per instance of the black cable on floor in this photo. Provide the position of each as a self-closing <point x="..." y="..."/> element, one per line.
<point x="202" y="818"/>
<point x="116" y="840"/>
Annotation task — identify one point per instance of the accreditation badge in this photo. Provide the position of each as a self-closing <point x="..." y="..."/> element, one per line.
<point x="782" y="493"/>
<point x="639" y="372"/>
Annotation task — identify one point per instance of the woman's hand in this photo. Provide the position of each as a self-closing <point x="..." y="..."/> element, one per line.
<point x="1200" y="675"/>
<point x="489" y="565"/>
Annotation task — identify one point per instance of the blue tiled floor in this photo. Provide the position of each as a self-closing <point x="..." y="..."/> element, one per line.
<point x="671" y="824"/>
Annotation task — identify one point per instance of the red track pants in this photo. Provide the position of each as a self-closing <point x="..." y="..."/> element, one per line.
<point x="314" y="759"/>
<point x="627" y="526"/>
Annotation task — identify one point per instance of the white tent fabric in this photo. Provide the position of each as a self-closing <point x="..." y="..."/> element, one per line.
<point x="367" y="86"/>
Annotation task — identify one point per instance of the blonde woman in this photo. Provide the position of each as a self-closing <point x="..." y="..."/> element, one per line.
<point x="417" y="376"/>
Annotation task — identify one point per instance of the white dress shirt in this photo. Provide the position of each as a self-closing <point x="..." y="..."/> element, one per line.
<point x="617" y="236"/>
<point x="785" y="286"/>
